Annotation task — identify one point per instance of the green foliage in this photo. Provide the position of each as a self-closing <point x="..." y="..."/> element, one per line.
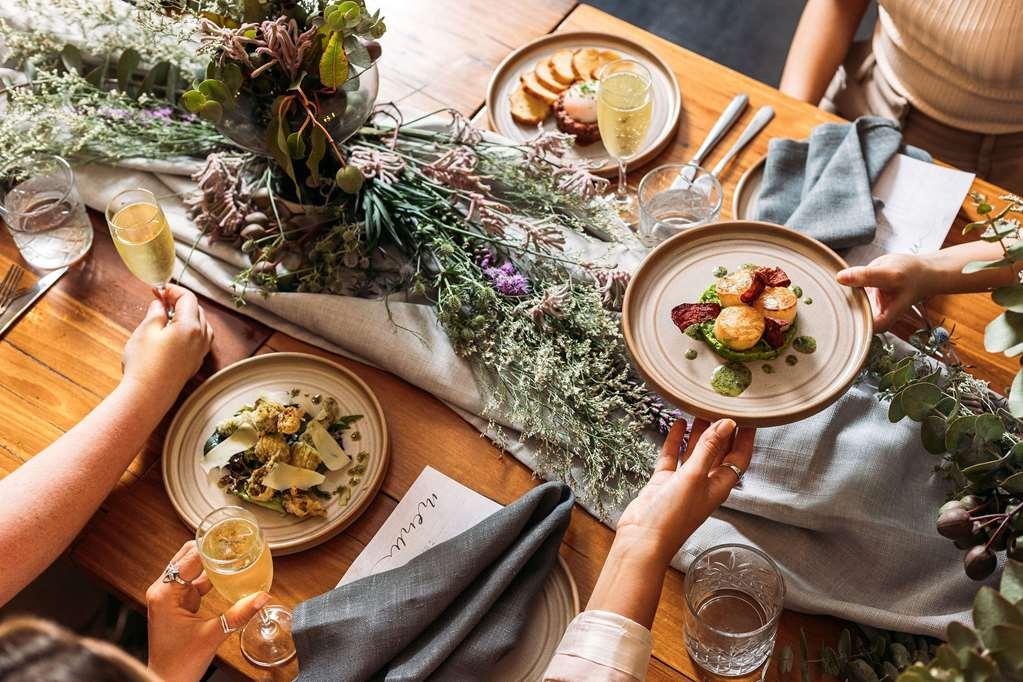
<point x="333" y="63"/>
<point x="863" y="655"/>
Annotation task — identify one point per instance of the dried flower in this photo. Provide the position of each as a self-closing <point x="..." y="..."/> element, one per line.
<point x="543" y="237"/>
<point x="577" y="178"/>
<point x="549" y="144"/>
<point x="284" y="45"/>
<point x="463" y="131"/>
<point x="506" y="278"/>
<point x="456" y="168"/>
<point x="553" y="304"/>
<point x="230" y="43"/>
<point x="219" y="208"/>
<point x="376" y="163"/>
<point x="611" y="283"/>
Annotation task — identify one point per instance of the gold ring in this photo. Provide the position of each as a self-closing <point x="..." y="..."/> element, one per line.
<point x="736" y="470"/>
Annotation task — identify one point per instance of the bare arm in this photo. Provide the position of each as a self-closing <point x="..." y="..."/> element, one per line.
<point x="676" y="501"/>
<point x="822" y="39"/>
<point x="48" y="499"/>
<point x="894" y="281"/>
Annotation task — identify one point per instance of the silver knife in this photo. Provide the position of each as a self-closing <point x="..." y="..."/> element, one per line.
<point x="724" y="123"/>
<point x="757" y="123"/>
<point x="25" y="301"/>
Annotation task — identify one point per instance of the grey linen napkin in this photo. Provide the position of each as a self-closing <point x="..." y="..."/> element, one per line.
<point x="821" y="186"/>
<point x="450" y="613"/>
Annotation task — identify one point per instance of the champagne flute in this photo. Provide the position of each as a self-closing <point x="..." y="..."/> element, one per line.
<point x="623" y="116"/>
<point x="238" y="563"/>
<point x="142" y="237"/>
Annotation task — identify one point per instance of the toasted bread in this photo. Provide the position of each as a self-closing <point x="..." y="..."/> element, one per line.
<point x="527" y="109"/>
<point x="561" y="66"/>
<point x="605" y="57"/>
<point x="584" y="61"/>
<point x="546" y="78"/>
<point x="534" y="88"/>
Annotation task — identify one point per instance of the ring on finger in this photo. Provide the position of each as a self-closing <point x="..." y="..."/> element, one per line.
<point x="172" y="574"/>
<point x="736" y="469"/>
<point x="225" y="626"/>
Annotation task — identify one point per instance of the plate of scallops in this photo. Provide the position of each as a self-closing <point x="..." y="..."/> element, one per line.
<point x="552" y="84"/>
<point x="745" y="319"/>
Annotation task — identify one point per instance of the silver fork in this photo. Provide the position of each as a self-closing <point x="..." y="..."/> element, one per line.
<point x="9" y="286"/>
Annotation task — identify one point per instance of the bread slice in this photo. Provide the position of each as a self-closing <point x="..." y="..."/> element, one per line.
<point x="527" y="109"/>
<point x="534" y="88"/>
<point x="546" y="78"/>
<point x="584" y="61"/>
<point x="561" y="66"/>
<point x="606" y="56"/>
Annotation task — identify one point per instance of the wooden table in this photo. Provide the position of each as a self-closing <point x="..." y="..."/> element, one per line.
<point x="64" y="355"/>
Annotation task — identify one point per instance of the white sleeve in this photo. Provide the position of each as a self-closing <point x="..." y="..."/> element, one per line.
<point x="600" y="645"/>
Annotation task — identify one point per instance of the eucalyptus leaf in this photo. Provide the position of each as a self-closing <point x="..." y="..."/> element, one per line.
<point x="71" y="58"/>
<point x="860" y="671"/>
<point x="878" y="647"/>
<point x="845" y="644"/>
<point x="1010" y="297"/>
<point x="978" y="471"/>
<point x="989" y="427"/>
<point x="155" y="75"/>
<point x="958" y="430"/>
<point x="1016" y="395"/>
<point x="978" y="265"/>
<point x="193" y="100"/>
<point x="173" y="73"/>
<point x="991" y="609"/>
<point x="333" y="62"/>
<point x="1004" y="331"/>
<point x="1011" y="586"/>
<point x="1014" y="483"/>
<point x="980" y="668"/>
<point x="96" y="77"/>
<point x="896" y="412"/>
<point x="899" y="655"/>
<point x="961" y="637"/>
<point x="126" y="65"/>
<point x="919" y="398"/>
<point x="891" y="673"/>
<point x="932" y="434"/>
<point x="214" y="90"/>
<point x="357" y="52"/>
<point x="898" y="377"/>
<point x="211" y="111"/>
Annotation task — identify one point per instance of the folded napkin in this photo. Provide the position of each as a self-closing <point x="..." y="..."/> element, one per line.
<point x="450" y="613"/>
<point x="821" y="186"/>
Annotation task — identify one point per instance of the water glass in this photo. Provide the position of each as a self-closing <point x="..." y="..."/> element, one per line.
<point x="43" y="212"/>
<point x="733" y="600"/>
<point x="676" y="197"/>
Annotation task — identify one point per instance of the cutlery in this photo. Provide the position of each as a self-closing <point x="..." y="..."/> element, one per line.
<point x="724" y="123"/>
<point x="757" y="123"/>
<point x="25" y="301"/>
<point x="9" y="286"/>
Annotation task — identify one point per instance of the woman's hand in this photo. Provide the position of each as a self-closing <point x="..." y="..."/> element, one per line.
<point x="182" y="643"/>
<point x="894" y="282"/>
<point x="678" y="499"/>
<point x="162" y="355"/>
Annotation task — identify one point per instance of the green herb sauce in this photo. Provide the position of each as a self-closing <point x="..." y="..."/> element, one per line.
<point x="767" y="369"/>
<point x="693" y="332"/>
<point x="731" y="379"/>
<point x="720" y="271"/>
<point x="791" y="359"/>
<point x="691" y="354"/>
<point x="805" y="344"/>
<point x="797" y="290"/>
<point x="808" y="301"/>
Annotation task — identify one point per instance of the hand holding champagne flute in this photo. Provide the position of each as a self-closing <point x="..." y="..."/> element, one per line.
<point x="142" y="237"/>
<point x="623" y="115"/>
<point x="238" y="564"/>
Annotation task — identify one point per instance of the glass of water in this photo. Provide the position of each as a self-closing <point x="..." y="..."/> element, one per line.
<point x="43" y="212"/>
<point x="733" y="600"/>
<point x="676" y="197"/>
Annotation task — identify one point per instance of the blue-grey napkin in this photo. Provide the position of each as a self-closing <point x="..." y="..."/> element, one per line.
<point x="449" y="614"/>
<point x="822" y="186"/>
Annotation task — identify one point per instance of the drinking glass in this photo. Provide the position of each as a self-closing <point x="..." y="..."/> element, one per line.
<point x="623" y="116"/>
<point x="238" y="563"/>
<point x="142" y="237"/>
<point x="733" y="600"/>
<point x="44" y="214"/>
<point x="669" y="204"/>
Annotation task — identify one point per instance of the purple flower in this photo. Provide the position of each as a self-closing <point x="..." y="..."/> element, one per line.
<point x="162" y="113"/>
<point x="506" y="278"/>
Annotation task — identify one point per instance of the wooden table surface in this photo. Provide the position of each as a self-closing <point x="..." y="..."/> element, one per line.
<point x="64" y="355"/>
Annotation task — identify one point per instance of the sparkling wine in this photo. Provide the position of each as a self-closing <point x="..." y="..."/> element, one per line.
<point x="623" y="113"/>
<point x="236" y="559"/>
<point x="144" y="240"/>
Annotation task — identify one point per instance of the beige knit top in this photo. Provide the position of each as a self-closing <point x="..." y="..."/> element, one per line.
<point x="958" y="61"/>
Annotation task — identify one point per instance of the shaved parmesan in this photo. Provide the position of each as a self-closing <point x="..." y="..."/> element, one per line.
<point x="304" y="400"/>
<point x="284" y="476"/>
<point x="241" y="440"/>
<point x="330" y="452"/>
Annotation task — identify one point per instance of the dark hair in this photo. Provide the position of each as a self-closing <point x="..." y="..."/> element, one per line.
<point x="35" y="650"/>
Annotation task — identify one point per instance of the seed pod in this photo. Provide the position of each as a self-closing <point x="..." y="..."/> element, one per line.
<point x="248" y="246"/>
<point x="253" y="231"/>
<point x="955" y="524"/>
<point x="1014" y="548"/>
<point x="292" y="261"/>
<point x="261" y="197"/>
<point x="264" y="267"/>
<point x="979" y="563"/>
<point x="970" y="502"/>
<point x="951" y="504"/>
<point x="349" y="179"/>
<point x="257" y="217"/>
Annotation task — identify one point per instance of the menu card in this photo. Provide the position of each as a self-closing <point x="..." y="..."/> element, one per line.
<point x="434" y="510"/>
<point x="921" y="201"/>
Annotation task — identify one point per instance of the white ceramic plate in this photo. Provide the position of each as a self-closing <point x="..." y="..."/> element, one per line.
<point x="681" y="268"/>
<point x="549" y="616"/>
<point x="667" y="100"/>
<point x="194" y="493"/>
<point x="747" y="191"/>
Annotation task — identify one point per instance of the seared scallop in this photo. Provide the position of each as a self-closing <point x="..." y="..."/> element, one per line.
<point x="731" y="287"/>
<point x="739" y="327"/>
<point x="779" y="303"/>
